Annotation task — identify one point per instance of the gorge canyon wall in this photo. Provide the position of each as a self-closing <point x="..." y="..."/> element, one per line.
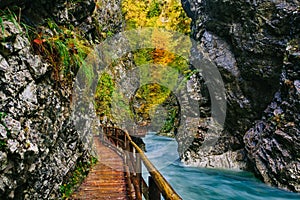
<point x="255" y="45"/>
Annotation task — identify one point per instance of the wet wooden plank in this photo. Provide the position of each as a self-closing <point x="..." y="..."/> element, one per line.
<point x="107" y="179"/>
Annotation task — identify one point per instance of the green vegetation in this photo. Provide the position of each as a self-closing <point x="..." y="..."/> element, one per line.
<point x="76" y="177"/>
<point x="170" y="122"/>
<point x="158" y="65"/>
<point x="279" y="120"/>
<point x="149" y="97"/>
<point x="154" y="10"/>
<point x="103" y="95"/>
<point x="3" y="142"/>
<point x="165" y="65"/>
<point x="65" y="48"/>
<point x="2" y="26"/>
<point x="2" y="115"/>
<point x="8" y="15"/>
<point x="109" y="34"/>
<point x="120" y="109"/>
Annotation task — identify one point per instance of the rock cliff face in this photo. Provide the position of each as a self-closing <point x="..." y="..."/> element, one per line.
<point x="255" y="45"/>
<point x="38" y="142"/>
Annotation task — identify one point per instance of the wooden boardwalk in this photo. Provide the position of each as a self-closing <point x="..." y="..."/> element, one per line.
<point x="107" y="178"/>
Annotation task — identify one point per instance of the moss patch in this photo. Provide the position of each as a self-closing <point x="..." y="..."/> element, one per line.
<point x="76" y="177"/>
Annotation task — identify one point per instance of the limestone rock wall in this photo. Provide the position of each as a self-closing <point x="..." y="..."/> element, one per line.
<point x="39" y="144"/>
<point x="255" y="45"/>
<point x="273" y="143"/>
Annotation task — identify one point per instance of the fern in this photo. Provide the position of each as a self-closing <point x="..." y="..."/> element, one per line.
<point x="2" y="25"/>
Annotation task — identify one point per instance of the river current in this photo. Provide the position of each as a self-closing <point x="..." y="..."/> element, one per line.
<point x="193" y="183"/>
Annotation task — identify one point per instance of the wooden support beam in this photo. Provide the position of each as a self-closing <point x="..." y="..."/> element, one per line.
<point x="145" y="189"/>
<point x="154" y="193"/>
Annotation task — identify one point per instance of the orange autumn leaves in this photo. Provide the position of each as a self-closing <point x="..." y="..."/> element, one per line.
<point x="163" y="57"/>
<point x="162" y="42"/>
<point x="161" y="14"/>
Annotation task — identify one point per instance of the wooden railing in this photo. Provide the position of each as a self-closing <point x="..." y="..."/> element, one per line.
<point x="134" y="158"/>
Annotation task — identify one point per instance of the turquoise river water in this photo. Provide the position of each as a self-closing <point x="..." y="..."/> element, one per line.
<point x="199" y="183"/>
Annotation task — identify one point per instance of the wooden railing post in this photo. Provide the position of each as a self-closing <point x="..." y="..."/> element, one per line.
<point x="117" y="136"/>
<point x="154" y="193"/>
<point x="138" y="176"/>
<point x="127" y="150"/>
<point x="134" y="157"/>
<point x="138" y="167"/>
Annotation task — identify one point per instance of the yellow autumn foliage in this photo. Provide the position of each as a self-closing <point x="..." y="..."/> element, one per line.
<point x="159" y="66"/>
<point x="167" y="14"/>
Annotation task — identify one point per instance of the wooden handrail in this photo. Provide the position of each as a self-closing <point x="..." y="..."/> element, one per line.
<point x="138" y="157"/>
<point x="166" y="189"/>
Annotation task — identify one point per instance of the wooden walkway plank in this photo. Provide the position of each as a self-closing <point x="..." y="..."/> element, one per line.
<point x="106" y="180"/>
